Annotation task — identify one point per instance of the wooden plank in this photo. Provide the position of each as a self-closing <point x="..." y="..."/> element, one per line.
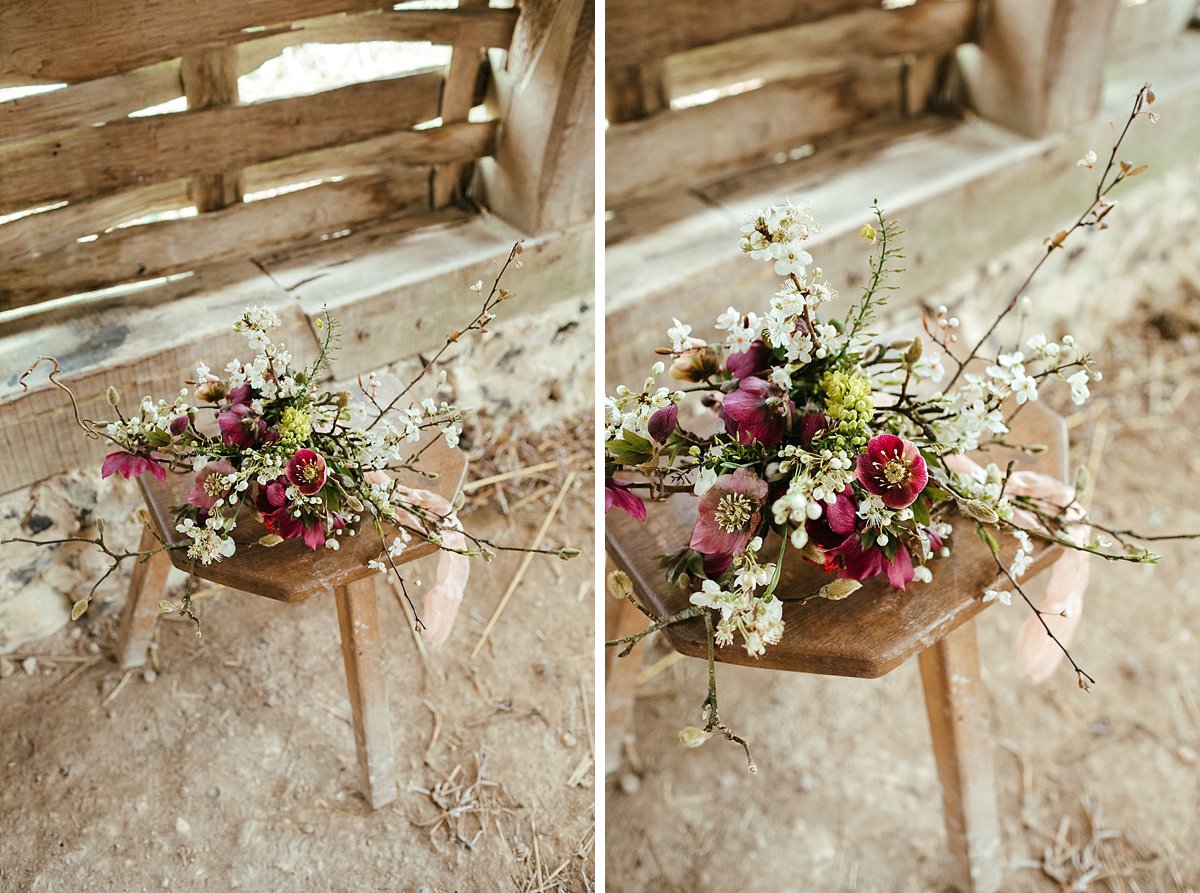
<point x="929" y="176"/>
<point x="146" y="587"/>
<point x="462" y="27"/>
<point x="67" y="41"/>
<point x="141" y="151"/>
<point x="91" y="102"/>
<point x="242" y="230"/>
<point x="144" y="342"/>
<point x="929" y="27"/>
<point x="542" y="175"/>
<point x="633" y="92"/>
<point x="425" y="264"/>
<point x="35" y="235"/>
<point x="688" y="146"/>
<point x="636" y="32"/>
<point x="1038" y="66"/>
<point x="458" y="95"/>
<point x="366" y="679"/>
<point x="210" y="80"/>
<point x="1139" y="28"/>
<point x="957" y="705"/>
<point x="620" y="675"/>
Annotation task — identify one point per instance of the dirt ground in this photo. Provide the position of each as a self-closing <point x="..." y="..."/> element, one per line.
<point x="1098" y="791"/>
<point x="232" y="766"/>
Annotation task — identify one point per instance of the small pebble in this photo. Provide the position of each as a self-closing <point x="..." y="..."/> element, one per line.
<point x="182" y="826"/>
<point x="569" y="740"/>
<point x="7" y="667"/>
<point x="29" y="665"/>
<point x="93" y="647"/>
<point x="272" y="700"/>
<point x="1186" y="754"/>
<point x="630" y="783"/>
<point x="214" y="792"/>
<point x="149" y="675"/>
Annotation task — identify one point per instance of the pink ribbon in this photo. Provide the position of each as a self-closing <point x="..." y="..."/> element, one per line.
<point x="440" y="604"/>
<point x="1036" y="652"/>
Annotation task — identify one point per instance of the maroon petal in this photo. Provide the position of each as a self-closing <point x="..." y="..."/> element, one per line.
<point x="744" y="363"/>
<point x="900" y="569"/>
<point x="843" y="514"/>
<point x="314" y="536"/>
<point x="616" y="494"/>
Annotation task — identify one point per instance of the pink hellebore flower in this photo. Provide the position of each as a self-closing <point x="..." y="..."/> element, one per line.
<point x="758" y="410"/>
<point x="616" y="493"/>
<point x="307" y="471"/>
<point x="207" y="489"/>
<point x="730" y="513"/>
<point x="753" y="360"/>
<point x="131" y="465"/>
<point x="893" y="470"/>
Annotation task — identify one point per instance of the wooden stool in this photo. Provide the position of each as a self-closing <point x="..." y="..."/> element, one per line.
<point x="874" y="631"/>
<point x="291" y="572"/>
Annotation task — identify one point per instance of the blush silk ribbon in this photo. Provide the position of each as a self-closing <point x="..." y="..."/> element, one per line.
<point x="440" y="604"/>
<point x="1036" y="652"/>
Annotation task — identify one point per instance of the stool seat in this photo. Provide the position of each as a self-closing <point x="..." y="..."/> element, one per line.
<point x="867" y="634"/>
<point x="290" y="571"/>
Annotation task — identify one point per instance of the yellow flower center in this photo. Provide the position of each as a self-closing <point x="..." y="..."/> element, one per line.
<point x="733" y="512"/>
<point x="895" y="472"/>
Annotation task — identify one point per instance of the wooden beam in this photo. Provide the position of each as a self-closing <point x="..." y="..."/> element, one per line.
<point x="140" y="151"/>
<point x="636" y="32"/>
<point x="925" y="28"/>
<point x="542" y="175"/>
<point x="35" y="235"/>
<point x="458" y="95"/>
<point x="242" y="230"/>
<point x="689" y="146"/>
<point x="91" y="102"/>
<point x="210" y="80"/>
<point x="48" y="41"/>
<point x="633" y="92"/>
<point x="1039" y="64"/>
<point x="1138" y="29"/>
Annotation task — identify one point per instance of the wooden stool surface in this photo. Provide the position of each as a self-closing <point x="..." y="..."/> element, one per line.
<point x="291" y="572"/>
<point x="874" y="630"/>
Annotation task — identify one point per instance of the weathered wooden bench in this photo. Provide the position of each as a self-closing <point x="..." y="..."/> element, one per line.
<point x="874" y="631"/>
<point x="291" y="572"/>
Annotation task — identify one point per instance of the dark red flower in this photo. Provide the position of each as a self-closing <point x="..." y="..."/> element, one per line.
<point x="893" y="469"/>
<point x="754" y="360"/>
<point x="730" y="513"/>
<point x="662" y="423"/>
<point x="307" y="471"/>
<point x="616" y="493"/>
<point x="758" y="410"/>
<point x="131" y="465"/>
<point x="240" y="426"/>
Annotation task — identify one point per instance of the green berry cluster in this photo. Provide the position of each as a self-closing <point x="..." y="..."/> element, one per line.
<point x="849" y="407"/>
<point x="295" y="427"/>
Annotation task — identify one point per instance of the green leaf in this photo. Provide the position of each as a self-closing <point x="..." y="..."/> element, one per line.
<point x="920" y="510"/>
<point x="631" y="448"/>
<point x="988" y="539"/>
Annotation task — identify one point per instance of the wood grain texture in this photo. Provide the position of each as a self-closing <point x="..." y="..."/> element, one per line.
<point x="636" y="32"/>
<point x="542" y="175"/>
<point x="146" y="587"/>
<point x="956" y="703"/>
<point x="674" y="149"/>
<point x="210" y="80"/>
<point x="1039" y="64"/>
<point x="927" y="27"/>
<point x="64" y="40"/>
<point x="400" y="288"/>
<point x="458" y="95"/>
<point x="366" y="680"/>
<point x="91" y="102"/>
<point x="97" y="161"/>
<point x="242" y="230"/>
<point x="36" y="235"/>
<point x="291" y="572"/>
<point x="463" y="26"/>
<point x="929" y="174"/>
<point x="868" y="634"/>
<point x="632" y="92"/>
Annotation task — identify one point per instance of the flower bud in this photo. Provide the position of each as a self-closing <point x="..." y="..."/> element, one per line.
<point x="619" y="585"/>
<point x="568" y="554"/>
<point x="692" y="736"/>
<point x="980" y="511"/>
<point x="839" y="589"/>
<point x="271" y="539"/>
<point x="662" y="424"/>
<point x="113" y="397"/>
<point x="179" y="425"/>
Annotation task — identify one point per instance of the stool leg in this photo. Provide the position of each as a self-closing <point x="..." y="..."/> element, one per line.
<point x="365" y="677"/>
<point x="620" y="679"/>
<point x="956" y="703"/>
<point x="141" y="604"/>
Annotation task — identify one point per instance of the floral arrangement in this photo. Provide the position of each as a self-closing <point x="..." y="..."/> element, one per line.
<point x="266" y="441"/>
<point x="850" y="449"/>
